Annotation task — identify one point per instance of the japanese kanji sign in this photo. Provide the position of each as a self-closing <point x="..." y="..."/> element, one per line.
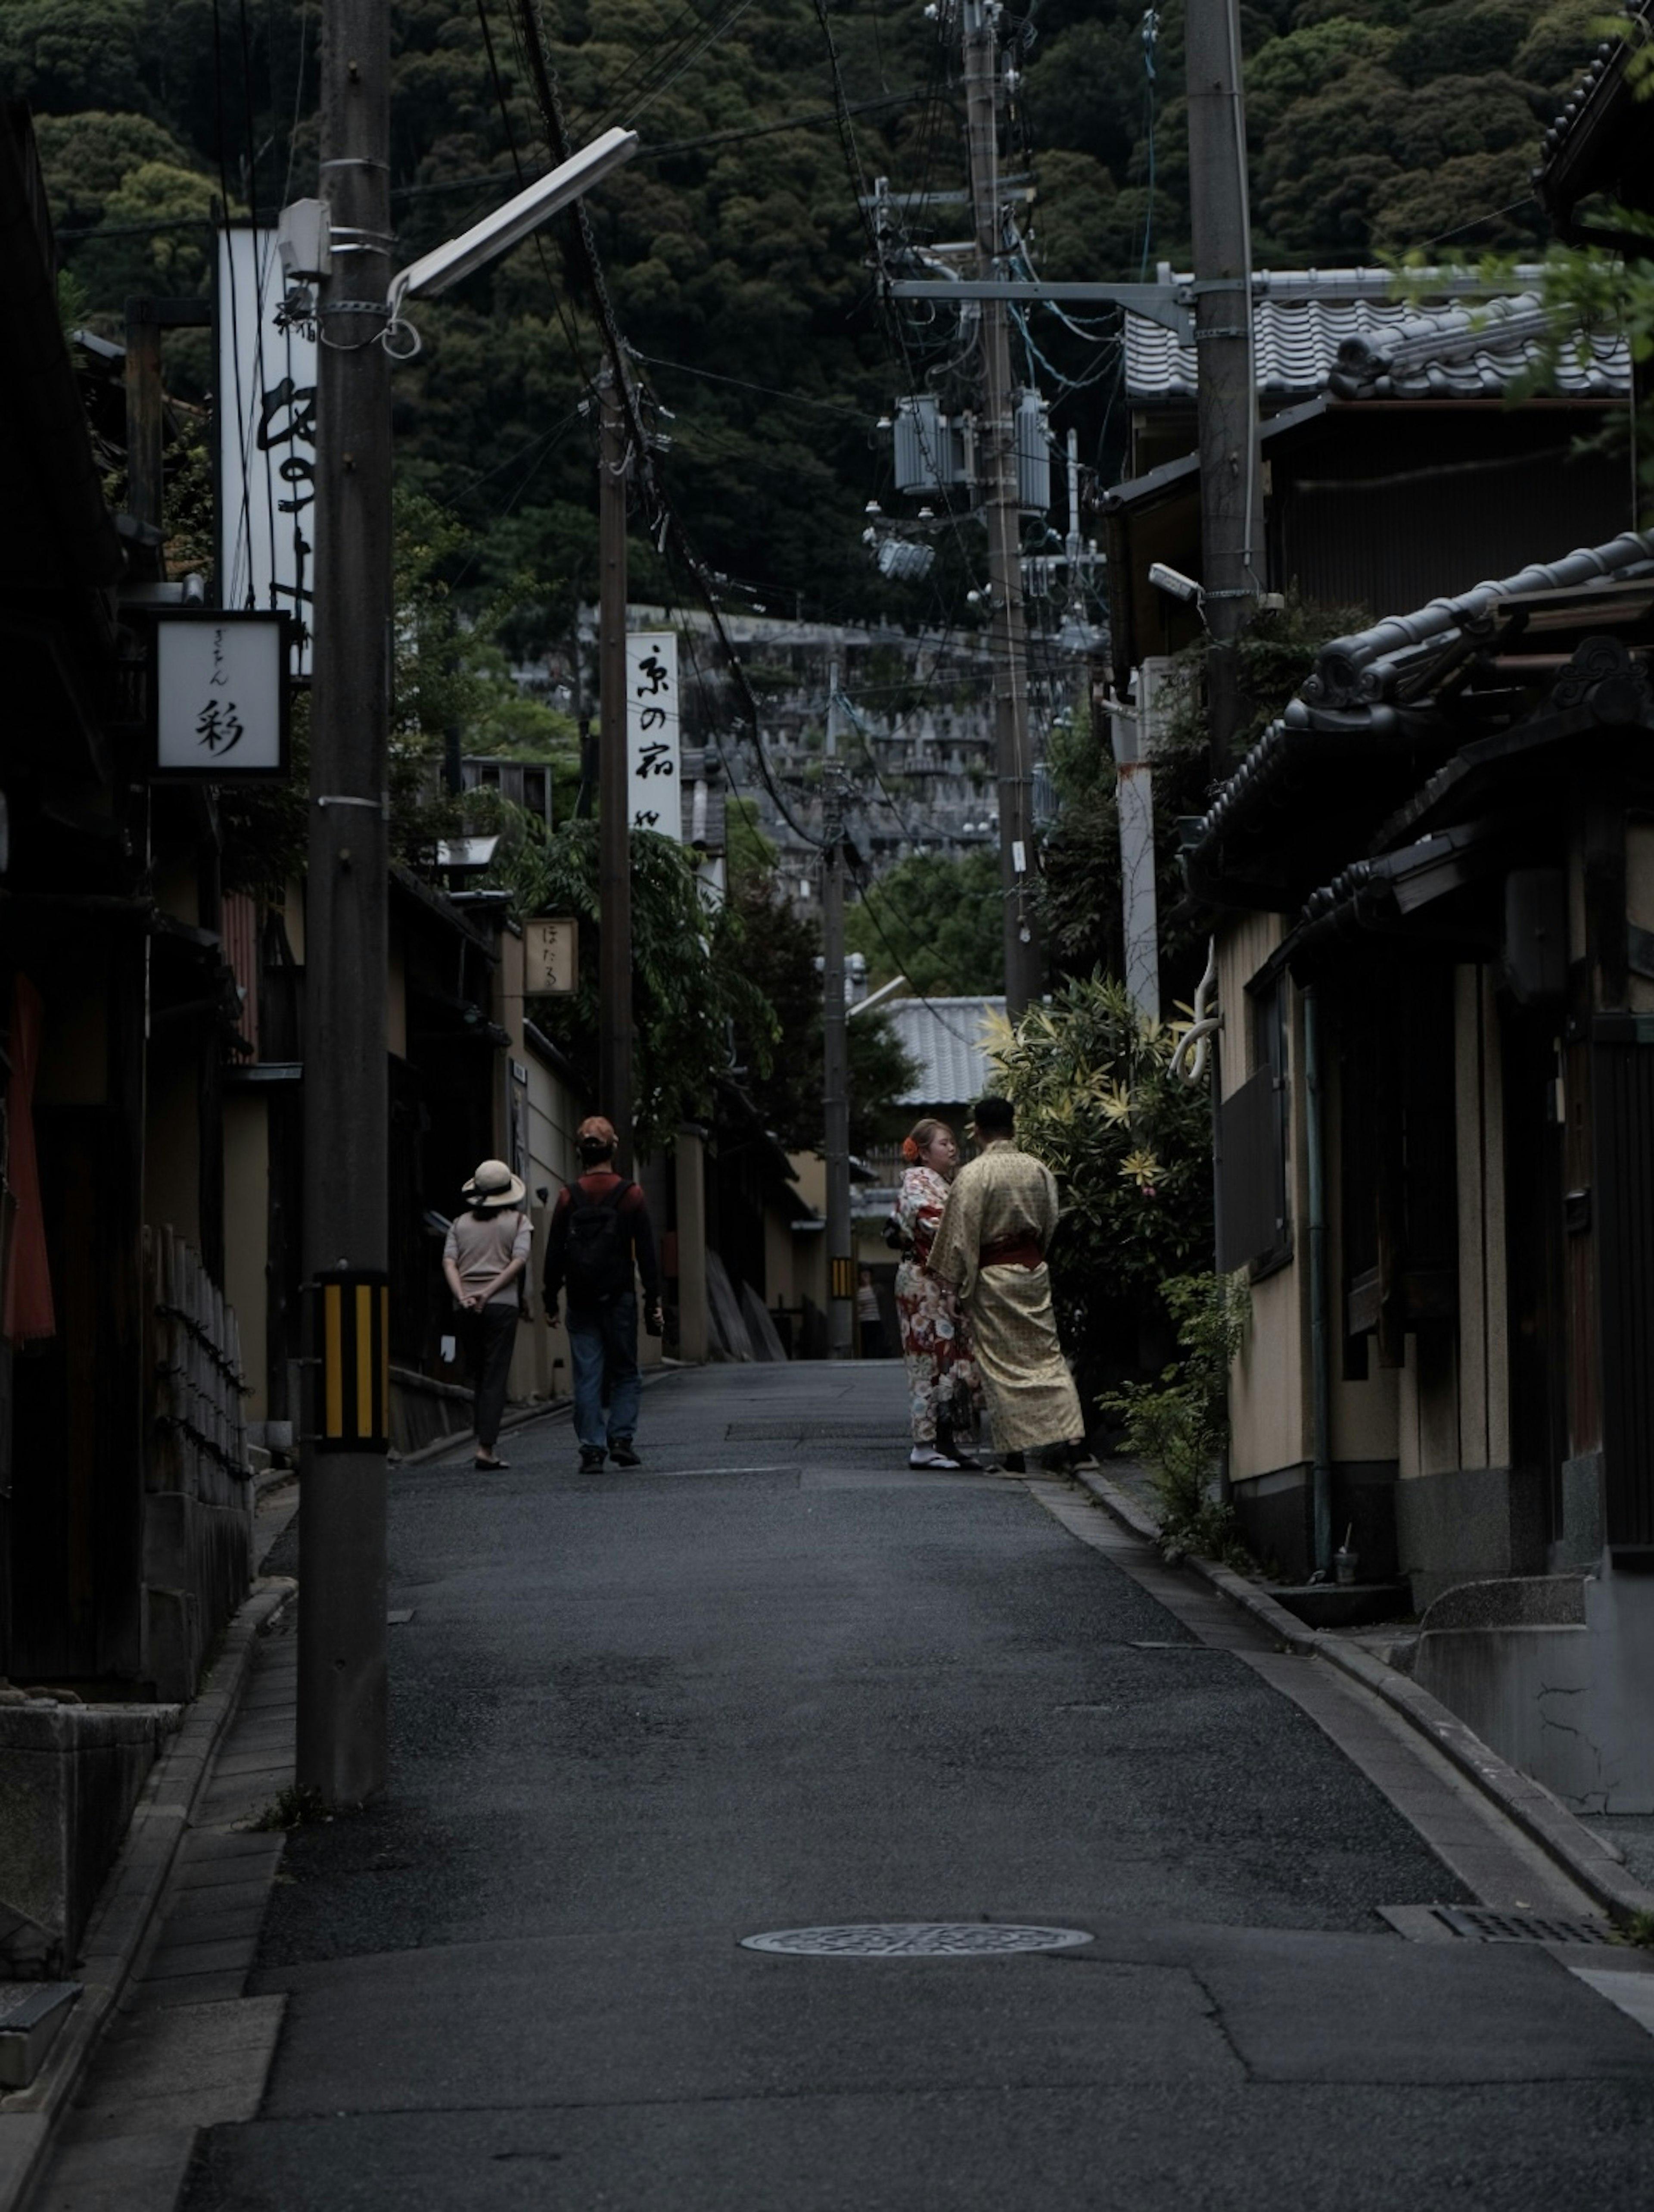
<point x="653" y="794"/>
<point x="266" y="439"/>
<point x="219" y="695"/>
<point x="551" y="961"/>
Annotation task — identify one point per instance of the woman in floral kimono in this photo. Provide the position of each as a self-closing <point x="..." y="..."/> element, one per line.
<point x="940" y="1371"/>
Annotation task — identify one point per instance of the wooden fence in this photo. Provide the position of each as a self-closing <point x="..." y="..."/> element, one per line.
<point x="199" y="1443"/>
<point x="197" y="1529"/>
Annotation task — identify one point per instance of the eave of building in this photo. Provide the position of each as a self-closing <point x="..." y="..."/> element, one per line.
<point x="1389" y="706"/>
<point x="1601" y="143"/>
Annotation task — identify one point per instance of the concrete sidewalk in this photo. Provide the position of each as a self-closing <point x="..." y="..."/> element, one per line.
<point x="777" y="1680"/>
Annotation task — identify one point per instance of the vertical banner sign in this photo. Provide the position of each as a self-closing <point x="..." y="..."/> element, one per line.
<point x="266" y="440"/>
<point x="653" y="798"/>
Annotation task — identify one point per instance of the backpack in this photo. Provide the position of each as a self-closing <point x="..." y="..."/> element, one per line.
<point x="597" y="1258"/>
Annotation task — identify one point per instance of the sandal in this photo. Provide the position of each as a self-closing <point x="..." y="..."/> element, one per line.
<point x="490" y="1465"/>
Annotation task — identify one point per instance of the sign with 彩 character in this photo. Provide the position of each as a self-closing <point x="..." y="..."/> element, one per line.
<point x="218" y="696"/>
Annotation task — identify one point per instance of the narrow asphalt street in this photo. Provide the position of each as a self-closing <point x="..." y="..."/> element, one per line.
<point x="772" y="1681"/>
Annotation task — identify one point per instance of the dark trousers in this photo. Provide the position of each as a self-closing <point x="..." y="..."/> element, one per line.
<point x="602" y="1342"/>
<point x="490" y="1339"/>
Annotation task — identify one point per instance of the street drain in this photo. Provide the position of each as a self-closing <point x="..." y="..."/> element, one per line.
<point x="1484" y="1924"/>
<point x="915" y="1939"/>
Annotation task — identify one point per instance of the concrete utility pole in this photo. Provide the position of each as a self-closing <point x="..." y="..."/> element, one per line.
<point x="614" y="811"/>
<point x="342" y="1533"/>
<point x="1226" y="396"/>
<point x="835" y="1065"/>
<point x="1001" y="507"/>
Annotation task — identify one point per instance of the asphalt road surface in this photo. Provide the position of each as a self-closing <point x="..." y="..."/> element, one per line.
<point x="772" y="1681"/>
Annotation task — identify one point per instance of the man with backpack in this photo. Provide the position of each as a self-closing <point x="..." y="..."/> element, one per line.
<point x="599" y="1229"/>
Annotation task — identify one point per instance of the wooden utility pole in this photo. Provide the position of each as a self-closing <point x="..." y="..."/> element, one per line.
<point x="614" y="809"/>
<point x="1001" y="508"/>
<point x="835" y="1067"/>
<point x="1226" y="398"/>
<point x="343" y="1716"/>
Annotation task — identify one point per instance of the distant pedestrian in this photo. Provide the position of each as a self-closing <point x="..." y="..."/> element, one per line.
<point x="599" y="1233"/>
<point x="942" y="1382"/>
<point x="869" y="1320"/>
<point x="990" y="1245"/>
<point x="484" y="1258"/>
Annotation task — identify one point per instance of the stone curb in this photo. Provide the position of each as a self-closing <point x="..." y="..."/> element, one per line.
<point x="516" y="1418"/>
<point x="128" y="1907"/>
<point x="1585" y="1858"/>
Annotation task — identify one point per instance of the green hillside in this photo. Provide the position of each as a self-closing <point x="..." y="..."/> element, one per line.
<point x="735" y="249"/>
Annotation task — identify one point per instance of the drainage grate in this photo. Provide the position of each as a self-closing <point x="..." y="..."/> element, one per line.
<point x="915" y="1939"/>
<point x="1484" y="1924"/>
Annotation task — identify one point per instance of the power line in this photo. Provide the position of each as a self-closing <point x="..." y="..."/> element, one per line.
<point x="742" y="384"/>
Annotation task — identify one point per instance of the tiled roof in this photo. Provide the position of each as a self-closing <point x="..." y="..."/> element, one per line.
<point x="1382" y="348"/>
<point x="943" y="1036"/>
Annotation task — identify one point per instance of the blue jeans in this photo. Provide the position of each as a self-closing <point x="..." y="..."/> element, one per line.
<point x="602" y="1342"/>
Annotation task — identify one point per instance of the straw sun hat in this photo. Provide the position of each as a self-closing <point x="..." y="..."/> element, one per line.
<point x="493" y="1184"/>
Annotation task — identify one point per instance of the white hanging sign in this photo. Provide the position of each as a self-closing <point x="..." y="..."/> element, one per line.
<point x="551" y="956"/>
<point x="219" y="695"/>
<point x="654" y="799"/>
<point x="266" y="380"/>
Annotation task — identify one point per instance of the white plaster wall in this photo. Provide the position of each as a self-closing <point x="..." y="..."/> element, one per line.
<point x="1244" y="943"/>
<point x="1269" y="1404"/>
<point x="539" y="1367"/>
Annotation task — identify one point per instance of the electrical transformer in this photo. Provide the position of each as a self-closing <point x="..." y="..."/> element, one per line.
<point x="929" y="452"/>
<point x="1032" y="453"/>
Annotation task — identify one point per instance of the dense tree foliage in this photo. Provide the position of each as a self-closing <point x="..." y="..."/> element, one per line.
<point x="778" y="1063"/>
<point x="735" y="249"/>
<point x="1130" y="1143"/>
<point x="939" y="922"/>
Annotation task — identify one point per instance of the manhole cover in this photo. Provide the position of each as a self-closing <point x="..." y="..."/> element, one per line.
<point x="1483" y="1924"/>
<point x="915" y="1939"/>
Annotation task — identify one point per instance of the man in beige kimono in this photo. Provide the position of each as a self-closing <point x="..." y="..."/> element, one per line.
<point x="990" y="1245"/>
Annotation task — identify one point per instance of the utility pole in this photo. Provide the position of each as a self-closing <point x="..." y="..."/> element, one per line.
<point x="1001" y="507"/>
<point x="835" y="1053"/>
<point x="614" y="809"/>
<point x="342" y="1729"/>
<point x="1226" y="395"/>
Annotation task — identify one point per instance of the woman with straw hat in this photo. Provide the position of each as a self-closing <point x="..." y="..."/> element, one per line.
<point x="486" y="1252"/>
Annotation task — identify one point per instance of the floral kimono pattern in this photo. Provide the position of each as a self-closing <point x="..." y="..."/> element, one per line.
<point x="942" y="1377"/>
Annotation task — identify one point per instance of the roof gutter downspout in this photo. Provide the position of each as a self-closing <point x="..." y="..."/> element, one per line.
<point x="1320" y="1371"/>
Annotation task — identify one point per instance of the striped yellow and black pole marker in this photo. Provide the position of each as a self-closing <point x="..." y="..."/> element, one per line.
<point x="844" y="1279"/>
<point x="352" y="1349"/>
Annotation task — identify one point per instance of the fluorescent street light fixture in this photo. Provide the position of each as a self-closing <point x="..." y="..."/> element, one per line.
<point x="1173" y="580"/>
<point x="435" y="272"/>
